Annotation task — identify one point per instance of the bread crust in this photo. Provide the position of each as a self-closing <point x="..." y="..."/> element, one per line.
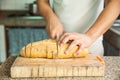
<point x="48" y="49"/>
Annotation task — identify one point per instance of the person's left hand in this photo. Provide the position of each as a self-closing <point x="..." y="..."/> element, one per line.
<point x="80" y="40"/>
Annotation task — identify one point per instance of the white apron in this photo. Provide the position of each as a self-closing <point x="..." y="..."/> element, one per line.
<point x="78" y="16"/>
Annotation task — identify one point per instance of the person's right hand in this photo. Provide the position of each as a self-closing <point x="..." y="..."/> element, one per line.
<point x="54" y="27"/>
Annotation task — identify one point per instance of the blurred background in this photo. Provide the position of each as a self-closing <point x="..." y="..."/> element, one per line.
<point x="21" y="24"/>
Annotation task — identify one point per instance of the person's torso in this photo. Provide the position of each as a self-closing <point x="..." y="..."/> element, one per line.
<point x="77" y="15"/>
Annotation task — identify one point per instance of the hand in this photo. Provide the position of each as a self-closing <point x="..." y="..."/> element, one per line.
<point x="80" y="40"/>
<point x="54" y="28"/>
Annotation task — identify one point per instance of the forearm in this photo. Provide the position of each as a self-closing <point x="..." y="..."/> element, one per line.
<point x="105" y="20"/>
<point x="45" y="9"/>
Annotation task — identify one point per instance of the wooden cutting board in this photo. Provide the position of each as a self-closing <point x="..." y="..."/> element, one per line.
<point x="40" y="67"/>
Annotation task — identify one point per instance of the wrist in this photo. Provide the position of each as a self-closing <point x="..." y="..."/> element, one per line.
<point x="91" y="36"/>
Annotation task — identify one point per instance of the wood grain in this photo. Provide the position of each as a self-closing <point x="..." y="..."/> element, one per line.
<point x="41" y="67"/>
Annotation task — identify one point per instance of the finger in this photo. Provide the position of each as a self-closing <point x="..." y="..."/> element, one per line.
<point x="66" y="39"/>
<point x="55" y="36"/>
<point x="79" y="50"/>
<point x="58" y="36"/>
<point x="71" y="46"/>
<point x="63" y="37"/>
<point x="52" y="35"/>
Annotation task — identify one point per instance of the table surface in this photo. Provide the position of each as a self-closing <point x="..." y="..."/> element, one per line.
<point x="112" y="71"/>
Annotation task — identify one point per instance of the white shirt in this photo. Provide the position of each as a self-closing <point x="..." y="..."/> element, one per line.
<point x="78" y="16"/>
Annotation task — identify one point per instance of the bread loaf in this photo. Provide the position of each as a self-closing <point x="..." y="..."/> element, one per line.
<point x="48" y="49"/>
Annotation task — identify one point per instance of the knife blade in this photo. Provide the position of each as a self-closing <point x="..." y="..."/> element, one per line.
<point x="57" y="38"/>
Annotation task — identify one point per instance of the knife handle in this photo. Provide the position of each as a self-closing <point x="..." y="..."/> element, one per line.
<point x="100" y="60"/>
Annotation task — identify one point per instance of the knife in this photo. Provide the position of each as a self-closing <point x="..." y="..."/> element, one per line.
<point x="57" y="38"/>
